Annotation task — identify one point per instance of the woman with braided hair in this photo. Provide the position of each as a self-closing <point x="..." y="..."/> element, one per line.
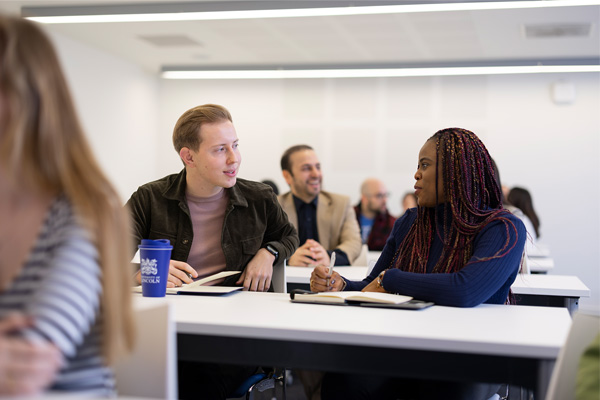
<point x="458" y="248"/>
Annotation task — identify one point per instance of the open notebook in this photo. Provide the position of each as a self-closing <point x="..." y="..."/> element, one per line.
<point x="197" y="287"/>
<point x="363" y="299"/>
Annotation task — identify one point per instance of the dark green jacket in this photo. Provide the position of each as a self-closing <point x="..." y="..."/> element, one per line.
<point x="253" y="219"/>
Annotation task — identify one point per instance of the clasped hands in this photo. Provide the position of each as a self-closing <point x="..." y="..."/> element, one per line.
<point x="310" y="254"/>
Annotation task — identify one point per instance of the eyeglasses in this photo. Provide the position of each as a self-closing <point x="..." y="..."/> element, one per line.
<point x="381" y="196"/>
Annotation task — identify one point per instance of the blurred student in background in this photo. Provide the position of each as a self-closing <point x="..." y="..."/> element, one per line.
<point x="373" y="217"/>
<point x="521" y="198"/>
<point x="272" y="184"/>
<point x="64" y="236"/>
<point x="324" y="220"/>
<point x="409" y="200"/>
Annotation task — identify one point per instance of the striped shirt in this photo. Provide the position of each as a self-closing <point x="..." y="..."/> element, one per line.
<point x="60" y="287"/>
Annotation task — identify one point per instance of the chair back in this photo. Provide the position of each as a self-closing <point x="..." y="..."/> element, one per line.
<point x="361" y="260"/>
<point x="525" y="269"/>
<point x="150" y="371"/>
<point x="584" y="329"/>
<point x="279" y="278"/>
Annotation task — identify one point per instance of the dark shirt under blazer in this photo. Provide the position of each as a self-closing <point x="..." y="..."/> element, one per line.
<point x="336" y="222"/>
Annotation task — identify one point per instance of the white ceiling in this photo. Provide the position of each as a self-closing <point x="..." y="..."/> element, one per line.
<point x="496" y="36"/>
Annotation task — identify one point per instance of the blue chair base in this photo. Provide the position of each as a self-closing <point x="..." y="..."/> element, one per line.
<point x="247" y="384"/>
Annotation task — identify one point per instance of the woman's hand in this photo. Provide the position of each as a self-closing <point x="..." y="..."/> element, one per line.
<point x="25" y="367"/>
<point x="321" y="281"/>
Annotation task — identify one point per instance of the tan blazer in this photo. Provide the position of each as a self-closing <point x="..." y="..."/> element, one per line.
<point x="336" y="222"/>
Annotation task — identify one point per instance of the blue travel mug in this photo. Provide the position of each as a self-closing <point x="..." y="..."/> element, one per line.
<point x="155" y="256"/>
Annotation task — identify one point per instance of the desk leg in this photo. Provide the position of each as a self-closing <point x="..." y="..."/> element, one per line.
<point x="543" y="380"/>
<point x="572" y="304"/>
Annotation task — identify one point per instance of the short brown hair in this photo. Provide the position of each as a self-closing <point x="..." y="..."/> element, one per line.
<point x="285" y="158"/>
<point x="187" y="129"/>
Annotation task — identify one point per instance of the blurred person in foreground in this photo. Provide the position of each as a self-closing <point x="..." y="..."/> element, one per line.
<point x="65" y="307"/>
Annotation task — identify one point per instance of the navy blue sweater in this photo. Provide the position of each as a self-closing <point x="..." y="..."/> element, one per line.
<point x="476" y="283"/>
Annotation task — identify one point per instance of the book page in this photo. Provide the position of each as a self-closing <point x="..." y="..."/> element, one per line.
<point x="209" y="290"/>
<point x="223" y="274"/>
<point x="342" y="297"/>
<point x="199" y="282"/>
<point x="376" y="297"/>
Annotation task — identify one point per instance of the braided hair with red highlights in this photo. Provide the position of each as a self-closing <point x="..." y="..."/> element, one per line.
<point x="473" y="200"/>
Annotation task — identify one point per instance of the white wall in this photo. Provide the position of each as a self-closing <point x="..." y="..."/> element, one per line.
<point x="117" y="103"/>
<point x="364" y="127"/>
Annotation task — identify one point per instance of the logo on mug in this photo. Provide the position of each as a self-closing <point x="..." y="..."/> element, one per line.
<point x="148" y="266"/>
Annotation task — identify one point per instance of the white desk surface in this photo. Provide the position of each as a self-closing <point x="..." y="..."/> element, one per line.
<point x="530" y="332"/>
<point x="538" y="258"/>
<point x="302" y="274"/>
<point x="535" y="284"/>
<point x="540" y="264"/>
<point x="538" y="249"/>
<point x="373" y="256"/>
<point x="550" y="285"/>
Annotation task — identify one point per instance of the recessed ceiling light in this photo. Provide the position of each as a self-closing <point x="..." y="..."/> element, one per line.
<point x="49" y="18"/>
<point x="170" y="40"/>
<point x="374" y="72"/>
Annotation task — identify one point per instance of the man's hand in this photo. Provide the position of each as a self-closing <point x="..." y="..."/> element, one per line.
<point x="257" y="274"/>
<point x="309" y="254"/>
<point x="179" y="273"/>
<point x="25" y="367"/>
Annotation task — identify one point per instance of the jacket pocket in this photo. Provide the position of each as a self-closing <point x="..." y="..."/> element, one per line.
<point x="252" y="245"/>
<point x="154" y="234"/>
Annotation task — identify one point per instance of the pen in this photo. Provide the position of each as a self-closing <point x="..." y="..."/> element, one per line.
<point x="331" y="262"/>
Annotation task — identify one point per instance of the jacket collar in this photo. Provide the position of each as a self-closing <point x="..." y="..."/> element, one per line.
<point x="176" y="191"/>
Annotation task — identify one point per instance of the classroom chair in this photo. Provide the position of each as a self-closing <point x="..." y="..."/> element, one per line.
<point x="584" y="329"/>
<point x="362" y="258"/>
<point x="261" y="381"/>
<point x="150" y="371"/>
<point x="264" y="380"/>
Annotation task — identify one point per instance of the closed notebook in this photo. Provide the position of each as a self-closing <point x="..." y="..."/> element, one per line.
<point x="350" y="297"/>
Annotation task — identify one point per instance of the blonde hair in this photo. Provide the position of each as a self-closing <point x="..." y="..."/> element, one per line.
<point x="42" y="142"/>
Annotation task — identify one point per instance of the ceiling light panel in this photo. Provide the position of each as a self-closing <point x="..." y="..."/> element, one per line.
<point x="170" y="40"/>
<point x="564" y="30"/>
<point x="253" y="10"/>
